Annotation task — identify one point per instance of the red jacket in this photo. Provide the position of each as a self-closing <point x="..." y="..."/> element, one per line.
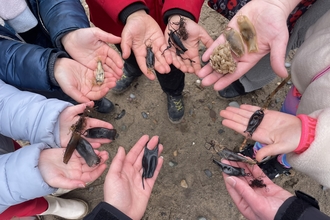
<point x="105" y="13"/>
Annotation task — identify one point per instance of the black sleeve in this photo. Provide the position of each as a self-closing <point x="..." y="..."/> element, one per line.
<point x="300" y="207"/>
<point x="131" y="9"/>
<point x="105" y="211"/>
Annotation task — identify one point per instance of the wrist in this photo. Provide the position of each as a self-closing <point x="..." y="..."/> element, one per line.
<point x="133" y="10"/>
<point x="308" y="125"/>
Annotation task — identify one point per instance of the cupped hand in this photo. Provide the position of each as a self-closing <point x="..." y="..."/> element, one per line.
<point x="195" y="34"/>
<point x="255" y="203"/>
<point x="140" y="31"/>
<point x="123" y="184"/>
<point x="90" y="45"/>
<point x="70" y="116"/>
<point x="279" y="131"/>
<point x="78" y="81"/>
<point x="272" y="37"/>
<point x="73" y="175"/>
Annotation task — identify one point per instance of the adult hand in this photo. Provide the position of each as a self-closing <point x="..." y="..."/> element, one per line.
<point x="140" y="31"/>
<point x="73" y="175"/>
<point x="272" y="36"/>
<point x="123" y="184"/>
<point x="90" y="45"/>
<point x="70" y="116"/>
<point x="279" y="131"/>
<point x="78" y="81"/>
<point x="255" y="203"/>
<point x="195" y="34"/>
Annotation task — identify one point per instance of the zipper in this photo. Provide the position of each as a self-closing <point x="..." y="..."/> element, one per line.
<point x="320" y="74"/>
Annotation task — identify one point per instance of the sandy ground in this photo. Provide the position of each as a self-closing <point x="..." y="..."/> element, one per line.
<point x="185" y="155"/>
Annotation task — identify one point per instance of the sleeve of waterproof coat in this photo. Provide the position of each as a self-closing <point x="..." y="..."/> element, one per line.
<point x="20" y="178"/>
<point x="114" y="9"/>
<point x="297" y="209"/>
<point x="315" y="161"/>
<point x="29" y="116"/>
<point x="188" y="8"/>
<point x="62" y="16"/>
<point x="106" y="211"/>
<point x="27" y="66"/>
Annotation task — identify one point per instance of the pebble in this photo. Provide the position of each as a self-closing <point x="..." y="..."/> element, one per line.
<point x="289" y="83"/>
<point x="175" y="153"/>
<point x="220" y="131"/>
<point x="234" y="104"/>
<point x="201" y="218"/>
<point x="287" y="65"/>
<point x="131" y="96"/>
<point x="208" y="173"/>
<point x="172" y="163"/>
<point x="184" y="184"/>
<point x="144" y="115"/>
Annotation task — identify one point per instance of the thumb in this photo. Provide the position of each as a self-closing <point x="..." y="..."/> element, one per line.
<point x="270" y="150"/>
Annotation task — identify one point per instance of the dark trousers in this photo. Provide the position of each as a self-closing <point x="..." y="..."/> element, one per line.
<point x="171" y="83"/>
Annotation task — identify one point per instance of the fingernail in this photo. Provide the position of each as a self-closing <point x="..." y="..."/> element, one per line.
<point x="81" y="185"/>
<point x="230" y="181"/>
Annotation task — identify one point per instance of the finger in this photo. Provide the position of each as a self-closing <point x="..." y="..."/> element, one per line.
<point x="117" y="163"/>
<point x="220" y="40"/>
<point x="271" y="150"/>
<point x="250" y="108"/>
<point x="161" y="63"/>
<point x="277" y="56"/>
<point x="205" y="38"/>
<point x="106" y="37"/>
<point x="167" y="55"/>
<point x="205" y="71"/>
<point x="136" y="150"/>
<point x="211" y="79"/>
<point x="126" y="45"/>
<point x="94" y="123"/>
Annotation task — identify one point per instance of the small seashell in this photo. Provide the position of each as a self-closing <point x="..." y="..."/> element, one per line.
<point x="175" y="153"/>
<point x="184" y="183"/>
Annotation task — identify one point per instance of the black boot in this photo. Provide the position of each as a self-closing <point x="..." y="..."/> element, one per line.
<point x="233" y="90"/>
<point x="125" y="81"/>
<point x="103" y="105"/>
<point x="175" y="108"/>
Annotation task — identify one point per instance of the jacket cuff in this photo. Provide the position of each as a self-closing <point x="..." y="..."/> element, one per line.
<point x="177" y="11"/>
<point x="130" y="10"/>
<point x="106" y="211"/>
<point x="23" y="22"/>
<point x="51" y="66"/>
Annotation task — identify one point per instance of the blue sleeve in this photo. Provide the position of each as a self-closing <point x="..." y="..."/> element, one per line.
<point x="60" y="17"/>
<point x="20" y="178"/>
<point x="27" y="66"/>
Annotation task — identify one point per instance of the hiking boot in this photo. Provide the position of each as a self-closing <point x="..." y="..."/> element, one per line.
<point x="124" y="83"/>
<point x="103" y="105"/>
<point x="233" y="90"/>
<point x="175" y="108"/>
